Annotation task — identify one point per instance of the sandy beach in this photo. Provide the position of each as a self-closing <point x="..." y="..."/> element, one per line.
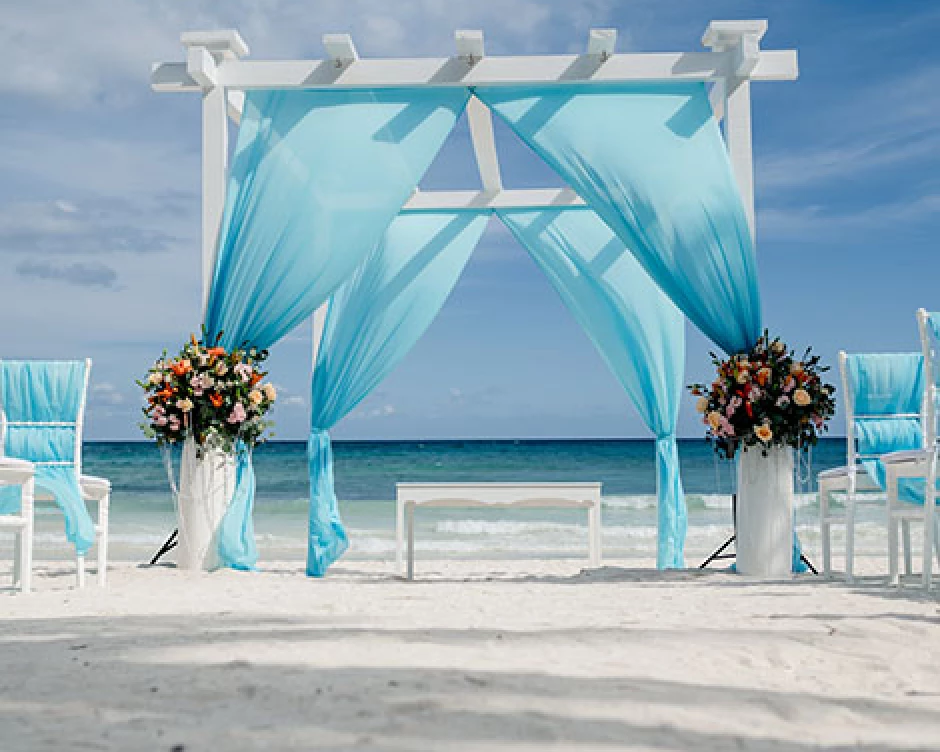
<point x="489" y="655"/>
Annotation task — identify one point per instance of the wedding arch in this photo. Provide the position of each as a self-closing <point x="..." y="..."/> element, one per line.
<point x="316" y="212"/>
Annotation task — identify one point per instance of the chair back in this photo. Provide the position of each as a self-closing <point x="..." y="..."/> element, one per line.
<point x="929" y="324"/>
<point x="884" y="405"/>
<point x="42" y="410"/>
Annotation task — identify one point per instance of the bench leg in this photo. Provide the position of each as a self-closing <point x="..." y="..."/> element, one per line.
<point x="399" y="535"/>
<point x="594" y="534"/>
<point x="410" y="514"/>
<point x="80" y="571"/>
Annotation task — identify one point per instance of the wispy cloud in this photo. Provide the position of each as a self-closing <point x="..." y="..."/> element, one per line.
<point x="80" y="274"/>
<point x="816" y="224"/>
<point x="878" y="127"/>
<point x="61" y="228"/>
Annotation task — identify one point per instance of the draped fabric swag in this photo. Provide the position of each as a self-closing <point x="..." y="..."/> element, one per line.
<point x="650" y="160"/>
<point x="373" y="321"/>
<point x="316" y="178"/>
<point x="638" y="331"/>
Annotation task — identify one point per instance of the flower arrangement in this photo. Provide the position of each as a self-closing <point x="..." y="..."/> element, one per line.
<point x="765" y="397"/>
<point x="210" y="394"/>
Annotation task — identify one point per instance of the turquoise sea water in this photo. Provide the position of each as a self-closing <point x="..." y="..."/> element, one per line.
<point x="366" y="473"/>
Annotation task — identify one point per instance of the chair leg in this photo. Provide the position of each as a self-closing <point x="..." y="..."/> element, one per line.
<point x="17" y="556"/>
<point x="103" y="509"/>
<point x="936" y="537"/>
<point x="929" y="543"/>
<point x="849" y="540"/>
<point x="893" y="533"/>
<point x="825" y="531"/>
<point x="80" y="570"/>
<point x="906" y="536"/>
<point x="26" y="559"/>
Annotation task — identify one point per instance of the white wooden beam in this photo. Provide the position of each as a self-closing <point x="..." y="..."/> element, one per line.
<point x="484" y="144"/>
<point x="546" y="198"/>
<point x="201" y="67"/>
<point x="601" y="43"/>
<point x="772" y="65"/>
<point x="469" y="45"/>
<point x="227" y="43"/>
<point x="340" y="49"/>
<point x="235" y="105"/>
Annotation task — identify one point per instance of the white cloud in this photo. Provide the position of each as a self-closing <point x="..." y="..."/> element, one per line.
<point x="816" y="224"/>
<point x="878" y="127"/>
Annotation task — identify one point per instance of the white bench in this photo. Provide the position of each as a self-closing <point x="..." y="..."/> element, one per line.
<point x="535" y="495"/>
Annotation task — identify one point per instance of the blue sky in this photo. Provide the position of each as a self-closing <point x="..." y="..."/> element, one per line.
<point x="99" y="199"/>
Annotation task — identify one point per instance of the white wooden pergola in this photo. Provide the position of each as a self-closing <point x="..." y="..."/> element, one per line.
<point x="215" y="67"/>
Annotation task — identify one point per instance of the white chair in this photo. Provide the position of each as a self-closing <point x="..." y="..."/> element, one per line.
<point x="911" y="477"/>
<point x="883" y="402"/>
<point x="42" y="411"/>
<point x="16" y="515"/>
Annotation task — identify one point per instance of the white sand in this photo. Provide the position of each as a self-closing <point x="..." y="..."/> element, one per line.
<point x="488" y="655"/>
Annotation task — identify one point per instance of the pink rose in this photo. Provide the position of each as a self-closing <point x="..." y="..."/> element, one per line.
<point x="159" y="415"/>
<point x="243" y="371"/>
<point x="725" y="426"/>
<point x="238" y="413"/>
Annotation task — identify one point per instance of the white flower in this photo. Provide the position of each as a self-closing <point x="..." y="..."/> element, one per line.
<point x="255" y="397"/>
<point x="185" y="405"/>
<point x="221" y="369"/>
<point x="801" y="397"/>
<point x="155" y="378"/>
<point x="271" y="393"/>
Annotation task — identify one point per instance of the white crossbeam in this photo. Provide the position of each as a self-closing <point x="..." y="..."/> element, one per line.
<point x="771" y="65"/>
<point x="544" y="198"/>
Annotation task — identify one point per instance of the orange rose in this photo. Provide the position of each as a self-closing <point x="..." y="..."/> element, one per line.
<point x="255" y="378"/>
<point x="181" y="367"/>
<point x="216" y="399"/>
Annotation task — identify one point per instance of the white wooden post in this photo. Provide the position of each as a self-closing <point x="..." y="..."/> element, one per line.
<point x="740" y="42"/>
<point x="319" y="321"/>
<point x="205" y="51"/>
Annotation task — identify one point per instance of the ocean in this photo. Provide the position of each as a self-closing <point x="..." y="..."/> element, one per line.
<point x="366" y="472"/>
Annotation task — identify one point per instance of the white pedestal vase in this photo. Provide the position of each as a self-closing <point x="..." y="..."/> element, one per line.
<point x="765" y="512"/>
<point x="205" y="490"/>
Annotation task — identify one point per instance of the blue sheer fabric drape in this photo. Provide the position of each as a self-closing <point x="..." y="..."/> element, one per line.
<point x="374" y="320"/>
<point x="650" y="160"/>
<point x="47" y="393"/>
<point x="316" y="178"/>
<point x="887" y="391"/>
<point x="637" y="330"/>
